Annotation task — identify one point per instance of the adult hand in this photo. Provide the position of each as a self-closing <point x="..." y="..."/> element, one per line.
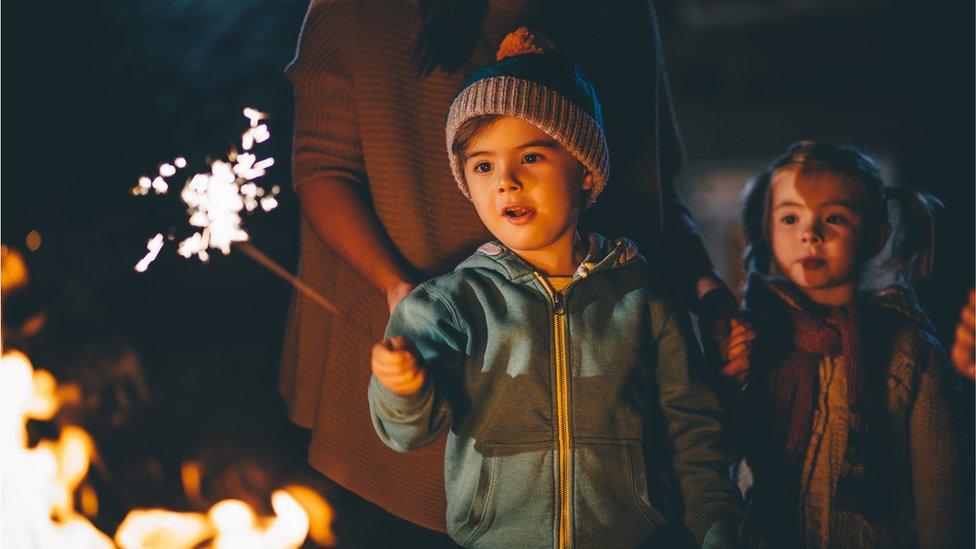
<point x="963" y="353"/>
<point x="396" y="294"/>
<point x="395" y="366"/>
<point x="736" y="350"/>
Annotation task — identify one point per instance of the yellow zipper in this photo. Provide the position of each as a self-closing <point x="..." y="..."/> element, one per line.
<point x="562" y="404"/>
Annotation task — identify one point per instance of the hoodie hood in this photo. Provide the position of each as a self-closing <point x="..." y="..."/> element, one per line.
<point x="602" y="254"/>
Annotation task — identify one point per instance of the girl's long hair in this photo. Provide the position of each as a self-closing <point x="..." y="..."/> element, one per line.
<point x="912" y="239"/>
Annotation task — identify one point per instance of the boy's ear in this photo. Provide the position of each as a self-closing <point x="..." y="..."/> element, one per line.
<point x="588" y="180"/>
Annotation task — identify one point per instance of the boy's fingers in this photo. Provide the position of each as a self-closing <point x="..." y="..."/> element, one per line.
<point x="408" y="379"/>
<point x="395" y="366"/>
<point x="400" y="378"/>
<point x="742" y="378"/>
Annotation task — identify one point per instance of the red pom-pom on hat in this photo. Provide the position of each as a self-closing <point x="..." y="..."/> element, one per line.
<point x="522" y="41"/>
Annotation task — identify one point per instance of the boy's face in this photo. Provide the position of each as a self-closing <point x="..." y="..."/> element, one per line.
<point x="526" y="187"/>
<point x="815" y="232"/>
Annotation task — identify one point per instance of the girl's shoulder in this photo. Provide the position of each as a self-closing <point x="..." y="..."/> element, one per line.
<point x="895" y="326"/>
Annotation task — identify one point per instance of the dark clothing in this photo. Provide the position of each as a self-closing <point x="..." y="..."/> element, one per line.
<point x="902" y="482"/>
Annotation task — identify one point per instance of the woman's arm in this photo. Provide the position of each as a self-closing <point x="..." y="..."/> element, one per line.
<point x="329" y="171"/>
<point x="341" y="215"/>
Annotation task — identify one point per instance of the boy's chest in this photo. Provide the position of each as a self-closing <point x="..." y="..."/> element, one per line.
<point x="591" y="363"/>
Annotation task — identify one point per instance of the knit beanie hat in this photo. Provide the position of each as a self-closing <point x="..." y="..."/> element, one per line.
<point x="532" y="81"/>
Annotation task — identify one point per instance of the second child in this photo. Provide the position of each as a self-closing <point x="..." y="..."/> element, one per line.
<point x="850" y="421"/>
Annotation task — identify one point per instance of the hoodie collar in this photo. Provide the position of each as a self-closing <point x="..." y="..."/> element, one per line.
<point x="602" y="254"/>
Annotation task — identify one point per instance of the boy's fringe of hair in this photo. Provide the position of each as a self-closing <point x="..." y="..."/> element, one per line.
<point x="912" y="238"/>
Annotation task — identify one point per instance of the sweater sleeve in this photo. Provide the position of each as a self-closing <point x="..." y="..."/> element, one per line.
<point x="680" y="240"/>
<point x="712" y="502"/>
<point x="936" y="441"/>
<point x="326" y="140"/>
<point x="406" y="423"/>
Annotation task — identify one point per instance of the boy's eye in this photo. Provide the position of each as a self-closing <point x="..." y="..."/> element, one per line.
<point x="532" y="158"/>
<point x="788" y="219"/>
<point x="482" y="167"/>
<point x="835" y="219"/>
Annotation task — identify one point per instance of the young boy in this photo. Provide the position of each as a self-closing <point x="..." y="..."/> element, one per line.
<point x="561" y="365"/>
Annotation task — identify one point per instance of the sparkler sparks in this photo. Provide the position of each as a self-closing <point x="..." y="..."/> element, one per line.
<point x="214" y="200"/>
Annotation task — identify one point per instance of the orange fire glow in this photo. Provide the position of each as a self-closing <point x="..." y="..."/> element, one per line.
<point x="40" y="484"/>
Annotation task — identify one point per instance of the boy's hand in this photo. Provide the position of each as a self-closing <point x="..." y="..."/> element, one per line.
<point x="395" y="366"/>
<point x="736" y="350"/>
<point x="963" y="351"/>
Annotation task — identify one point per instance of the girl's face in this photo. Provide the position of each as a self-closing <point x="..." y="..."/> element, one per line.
<point x="815" y="231"/>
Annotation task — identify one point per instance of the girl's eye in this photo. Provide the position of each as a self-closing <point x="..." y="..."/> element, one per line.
<point x="482" y="167"/>
<point x="532" y="158"/>
<point x="788" y="219"/>
<point x="836" y="219"/>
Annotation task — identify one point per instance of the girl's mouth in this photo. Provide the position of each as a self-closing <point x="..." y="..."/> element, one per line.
<point x="518" y="214"/>
<point x="813" y="263"/>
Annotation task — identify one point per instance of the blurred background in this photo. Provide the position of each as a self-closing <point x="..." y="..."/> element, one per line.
<point x="179" y="364"/>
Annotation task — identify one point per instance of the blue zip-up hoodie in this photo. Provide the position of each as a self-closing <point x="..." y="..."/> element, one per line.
<point x="558" y="402"/>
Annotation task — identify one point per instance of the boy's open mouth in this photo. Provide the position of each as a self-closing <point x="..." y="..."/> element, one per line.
<point x="518" y="215"/>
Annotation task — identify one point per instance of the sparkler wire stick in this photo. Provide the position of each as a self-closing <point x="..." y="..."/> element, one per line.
<point x="257" y="255"/>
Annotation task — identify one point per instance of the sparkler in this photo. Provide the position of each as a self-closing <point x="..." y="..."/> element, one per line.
<point x="215" y="201"/>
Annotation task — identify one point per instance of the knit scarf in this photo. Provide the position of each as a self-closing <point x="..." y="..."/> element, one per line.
<point x="795" y="387"/>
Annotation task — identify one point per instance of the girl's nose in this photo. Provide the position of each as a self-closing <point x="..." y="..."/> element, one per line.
<point x="812" y="235"/>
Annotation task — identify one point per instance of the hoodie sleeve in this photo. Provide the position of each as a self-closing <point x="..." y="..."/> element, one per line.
<point x="430" y="324"/>
<point x="692" y="413"/>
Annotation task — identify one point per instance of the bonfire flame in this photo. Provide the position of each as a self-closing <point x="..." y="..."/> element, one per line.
<point x="39" y="486"/>
<point x="38" y="482"/>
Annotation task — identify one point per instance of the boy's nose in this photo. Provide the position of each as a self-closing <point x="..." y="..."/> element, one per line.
<point x="508" y="183"/>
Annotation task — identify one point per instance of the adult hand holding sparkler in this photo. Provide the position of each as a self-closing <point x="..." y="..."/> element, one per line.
<point x="215" y="201"/>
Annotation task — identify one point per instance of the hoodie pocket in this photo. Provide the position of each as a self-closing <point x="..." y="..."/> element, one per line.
<point x="611" y="502"/>
<point x="510" y="504"/>
<point x="481" y="503"/>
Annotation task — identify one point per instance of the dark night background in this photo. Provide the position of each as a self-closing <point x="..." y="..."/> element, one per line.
<point x="101" y="92"/>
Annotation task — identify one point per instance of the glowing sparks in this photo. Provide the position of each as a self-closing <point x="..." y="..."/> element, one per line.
<point x="154" y="245"/>
<point x="215" y="200"/>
